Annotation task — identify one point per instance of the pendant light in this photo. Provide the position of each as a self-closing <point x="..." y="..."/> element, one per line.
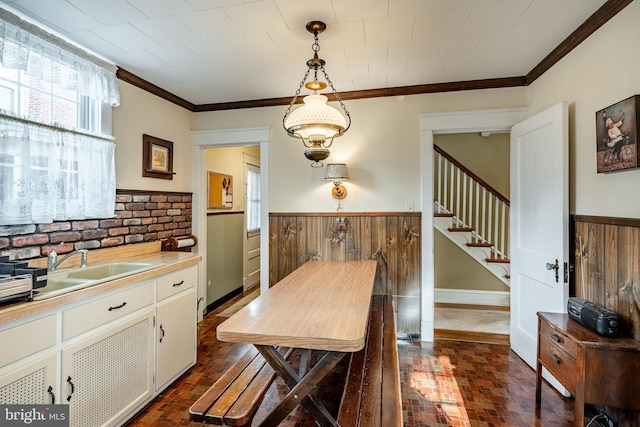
<point x="315" y="122"/>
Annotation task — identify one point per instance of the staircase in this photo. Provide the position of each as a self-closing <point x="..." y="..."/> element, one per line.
<point x="471" y="214"/>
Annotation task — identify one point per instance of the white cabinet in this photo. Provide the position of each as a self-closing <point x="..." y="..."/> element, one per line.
<point x="176" y="325"/>
<point x="31" y="383"/>
<point x="106" y="357"/>
<point x="28" y="362"/>
<point x="110" y="373"/>
<point x="27" y="338"/>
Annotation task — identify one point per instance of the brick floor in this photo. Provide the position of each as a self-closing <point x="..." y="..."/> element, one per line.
<point x="445" y="383"/>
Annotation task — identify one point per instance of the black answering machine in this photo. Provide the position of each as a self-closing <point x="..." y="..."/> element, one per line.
<point x="595" y="318"/>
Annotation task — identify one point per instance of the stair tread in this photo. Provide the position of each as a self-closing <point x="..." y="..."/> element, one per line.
<point x="443" y="215"/>
<point x="460" y="229"/>
<point x="498" y="260"/>
<point x="480" y="245"/>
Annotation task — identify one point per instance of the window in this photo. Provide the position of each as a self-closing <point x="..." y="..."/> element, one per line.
<point x="253" y="200"/>
<point x="56" y="152"/>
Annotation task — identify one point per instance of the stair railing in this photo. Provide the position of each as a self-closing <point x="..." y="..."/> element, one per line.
<point x="474" y="203"/>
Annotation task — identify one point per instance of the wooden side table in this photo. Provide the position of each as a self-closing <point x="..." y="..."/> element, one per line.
<point x="595" y="369"/>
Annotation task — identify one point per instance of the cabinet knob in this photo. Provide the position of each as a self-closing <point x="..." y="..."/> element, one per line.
<point x="556" y="358"/>
<point x="557" y="338"/>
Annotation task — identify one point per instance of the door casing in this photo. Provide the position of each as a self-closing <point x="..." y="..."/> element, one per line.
<point x="494" y="120"/>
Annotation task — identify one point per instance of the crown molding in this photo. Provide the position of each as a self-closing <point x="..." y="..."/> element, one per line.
<point x="595" y="21"/>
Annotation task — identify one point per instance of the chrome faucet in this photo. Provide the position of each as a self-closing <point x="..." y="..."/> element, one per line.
<point x="53" y="262"/>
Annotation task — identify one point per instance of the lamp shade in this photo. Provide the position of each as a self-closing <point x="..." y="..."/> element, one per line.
<point x="336" y="172"/>
<point x="315" y="120"/>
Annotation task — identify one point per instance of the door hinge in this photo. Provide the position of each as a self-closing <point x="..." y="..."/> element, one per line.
<point x="566" y="272"/>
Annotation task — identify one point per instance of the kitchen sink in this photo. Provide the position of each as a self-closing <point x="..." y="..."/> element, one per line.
<point x="63" y="281"/>
<point x="106" y="271"/>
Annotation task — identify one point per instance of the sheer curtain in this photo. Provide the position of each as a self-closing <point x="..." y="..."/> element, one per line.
<point x="49" y="172"/>
<point x="26" y="47"/>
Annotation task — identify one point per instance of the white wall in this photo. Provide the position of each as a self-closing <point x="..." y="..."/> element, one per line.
<point x="603" y="70"/>
<point x="143" y="113"/>
<point x="382" y="150"/>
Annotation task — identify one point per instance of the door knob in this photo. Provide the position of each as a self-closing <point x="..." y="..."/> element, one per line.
<point x="555" y="267"/>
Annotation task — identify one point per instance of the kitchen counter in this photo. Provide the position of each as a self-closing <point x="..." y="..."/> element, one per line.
<point x="168" y="261"/>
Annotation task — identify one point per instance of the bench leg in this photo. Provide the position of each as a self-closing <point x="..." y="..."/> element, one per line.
<point x="300" y="387"/>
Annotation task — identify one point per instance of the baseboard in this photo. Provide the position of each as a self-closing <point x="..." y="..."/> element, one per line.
<point x="217" y="303"/>
<point x="482" y="337"/>
<point x="466" y="296"/>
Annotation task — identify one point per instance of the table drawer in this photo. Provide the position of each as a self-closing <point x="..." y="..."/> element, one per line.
<point x="558" y="363"/>
<point x="559" y="339"/>
<point x="85" y="317"/>
<point x="177" y="281"/>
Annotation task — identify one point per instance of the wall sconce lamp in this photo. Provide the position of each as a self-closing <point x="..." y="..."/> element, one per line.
<point x="316" y="123"/>
<point x="337" y="172"/>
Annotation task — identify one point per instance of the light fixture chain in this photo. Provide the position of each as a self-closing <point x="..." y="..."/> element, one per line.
<point x="315" y="46"/>
<point x="337" y="96"/>
<point x="295" y="97"/>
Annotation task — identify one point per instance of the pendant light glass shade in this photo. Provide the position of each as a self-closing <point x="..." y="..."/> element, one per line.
<point x="315" y="120"/>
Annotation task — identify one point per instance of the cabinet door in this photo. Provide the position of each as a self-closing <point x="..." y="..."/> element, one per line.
<point x="33" y="383"/>
<point x="106" y="376"/>
<point x="175" y="336"/>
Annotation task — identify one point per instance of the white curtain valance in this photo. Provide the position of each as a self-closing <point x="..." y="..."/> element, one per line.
<point x="26" y="47"/>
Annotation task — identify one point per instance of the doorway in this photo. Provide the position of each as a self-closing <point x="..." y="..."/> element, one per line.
<point x="202" y="140"/>
<point x="499" y="120"/>
<point x="233" y="260"/>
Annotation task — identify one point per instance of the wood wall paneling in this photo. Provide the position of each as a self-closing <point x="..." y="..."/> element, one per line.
<point x="392" y="239"/>
<point x="607" y="272"/>
<point x="607" y="267"/>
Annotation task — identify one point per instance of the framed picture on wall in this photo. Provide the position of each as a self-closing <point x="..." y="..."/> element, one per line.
<point x="220" y="191"/>
<point x="617" y="135"/>
<point x="157" y="157"/>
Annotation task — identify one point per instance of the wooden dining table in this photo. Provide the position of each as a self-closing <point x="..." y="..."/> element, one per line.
<point x="322" y="306"/>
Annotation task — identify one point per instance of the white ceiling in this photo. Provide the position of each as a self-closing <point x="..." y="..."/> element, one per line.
<point x="213" y="51"/>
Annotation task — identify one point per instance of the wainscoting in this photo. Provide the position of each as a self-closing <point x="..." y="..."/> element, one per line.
<point x="393" y="239"/>
<point x="607" y="266"/>
<point x="606" y="271"/>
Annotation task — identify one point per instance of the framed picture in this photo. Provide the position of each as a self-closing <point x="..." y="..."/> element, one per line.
<point x="157" y="157"/>
<point x="617" y="135"/>
<point x="220" y="191"/>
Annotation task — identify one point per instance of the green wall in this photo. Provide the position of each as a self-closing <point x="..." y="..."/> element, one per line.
<point x="224" y="254"/>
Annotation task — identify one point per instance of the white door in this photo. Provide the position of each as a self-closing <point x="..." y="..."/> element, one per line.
<point x="539" y="224"/>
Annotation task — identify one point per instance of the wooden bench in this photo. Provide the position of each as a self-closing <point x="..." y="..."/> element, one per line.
<point x="372" y="391"/>
<point x="235" y="397"/>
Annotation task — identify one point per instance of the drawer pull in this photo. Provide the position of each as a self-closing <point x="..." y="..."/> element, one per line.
<point x="557" y="338"/>
<point x="73" y="389"/>
<point x="178" y="284"/>
<point x="117" y="306"/>
<point x="53" y="396"/>
<point x="162" y="330"/>
<point x="556" y="358"/>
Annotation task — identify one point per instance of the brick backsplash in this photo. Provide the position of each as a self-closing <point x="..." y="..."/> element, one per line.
<point x="140" y="216"/>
